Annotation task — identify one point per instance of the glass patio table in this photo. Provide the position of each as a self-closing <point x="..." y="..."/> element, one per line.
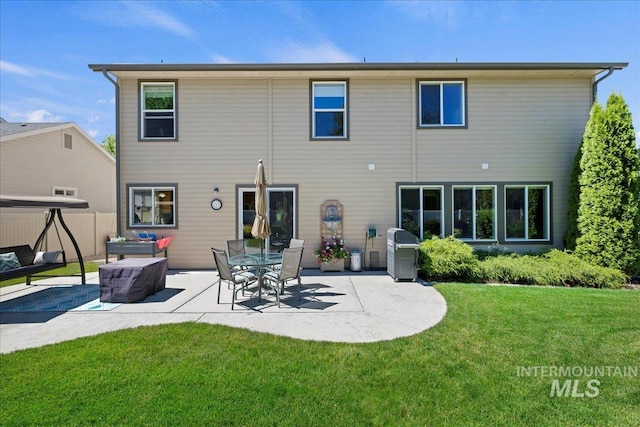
<point x="260" y="262"/>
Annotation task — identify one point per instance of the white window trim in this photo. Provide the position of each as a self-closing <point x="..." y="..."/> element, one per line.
<point x="143" y="111"/>
<point x="421" y="188"/>
<point x="153" y="190"/>
<point x="473" y="205"/>
<point x="315" y="110"/>
<point x="441" y="83"/>
<point x="71" y="192"/>
<point x="547" y="219"/>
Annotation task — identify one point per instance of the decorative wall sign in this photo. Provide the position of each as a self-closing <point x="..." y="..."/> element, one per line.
<point x="331" y="218"/>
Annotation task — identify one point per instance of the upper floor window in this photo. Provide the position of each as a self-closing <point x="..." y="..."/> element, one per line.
<point x="441" y="103"/>
<point x="152" y="206"/>
<point x="158" y="110"/>
<point x="329" y="115"/>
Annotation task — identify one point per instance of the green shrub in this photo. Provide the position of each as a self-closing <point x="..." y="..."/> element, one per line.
<point x="448" y="259"/>
<point x="555" y="268"/>
<point x="451" y="259"/>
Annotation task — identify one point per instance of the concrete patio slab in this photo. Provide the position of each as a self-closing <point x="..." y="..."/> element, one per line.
<point x="339" y="307"/>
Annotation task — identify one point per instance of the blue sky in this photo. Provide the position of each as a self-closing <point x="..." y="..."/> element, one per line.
<point x="45" y="46"/>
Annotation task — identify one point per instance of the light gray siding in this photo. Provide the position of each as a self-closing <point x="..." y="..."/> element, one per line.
<point x="526" y="129"/>
<point x="35" y="163"/>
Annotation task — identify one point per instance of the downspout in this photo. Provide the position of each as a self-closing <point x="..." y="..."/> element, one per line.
<point x="118" y="203"/>
<point x="594" y="96"/>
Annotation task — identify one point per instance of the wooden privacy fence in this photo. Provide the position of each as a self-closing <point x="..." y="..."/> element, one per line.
<point x="90" y="229"/>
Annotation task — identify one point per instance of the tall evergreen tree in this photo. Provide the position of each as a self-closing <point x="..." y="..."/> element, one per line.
<point x="609" y="210"/>
<point x="571" y="235"/>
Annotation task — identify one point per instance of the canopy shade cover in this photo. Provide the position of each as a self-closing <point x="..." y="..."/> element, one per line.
<point x="9" y="201"/>
<point x="261" y="228"/>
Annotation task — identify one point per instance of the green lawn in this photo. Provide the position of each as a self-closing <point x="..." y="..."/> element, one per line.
<point x="462" y="372"/>
<point x="71" y="268"/>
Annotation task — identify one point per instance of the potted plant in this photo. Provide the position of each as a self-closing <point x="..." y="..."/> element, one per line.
<point x="331" y="254"/>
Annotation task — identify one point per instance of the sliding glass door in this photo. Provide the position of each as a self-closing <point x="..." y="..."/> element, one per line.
<point x="281" y="213"/>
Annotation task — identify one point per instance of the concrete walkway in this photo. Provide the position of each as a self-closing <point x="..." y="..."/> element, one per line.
<point x="340" y="307"/>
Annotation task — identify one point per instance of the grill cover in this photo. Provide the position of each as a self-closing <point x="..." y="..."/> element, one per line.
<point x="402" y="254"/>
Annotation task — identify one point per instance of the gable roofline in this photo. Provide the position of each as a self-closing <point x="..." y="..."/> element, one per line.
<point x="11" y="131"/>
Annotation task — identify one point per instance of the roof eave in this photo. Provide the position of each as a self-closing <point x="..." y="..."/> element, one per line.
<point x="373" y="66"/>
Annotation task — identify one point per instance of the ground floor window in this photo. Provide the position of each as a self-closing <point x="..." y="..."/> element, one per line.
<point x="281" y="212"/>
<point x="527" y="212"/>
<point x="152" y="206"/>
<point x="421" y="211"/>
<point x="476" y="212"/>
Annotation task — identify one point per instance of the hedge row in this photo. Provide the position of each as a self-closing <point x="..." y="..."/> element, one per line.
<point x="450" y="259"/>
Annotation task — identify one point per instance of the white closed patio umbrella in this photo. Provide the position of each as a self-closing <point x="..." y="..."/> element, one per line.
<point x="261" y="228"/>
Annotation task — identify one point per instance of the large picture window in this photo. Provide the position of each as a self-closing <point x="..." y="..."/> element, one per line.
<point x="477" y="212"/>
<point x="158" y="110"/>
<point x="421" y="211"/>
<point x="527" y="212"/>
<point x="152" y="206"/>
<point x="329" y="105"/>
<point x="474" y="212"/>
<point x="441" y="103"/>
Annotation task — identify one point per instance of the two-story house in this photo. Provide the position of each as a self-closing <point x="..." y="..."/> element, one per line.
<point x="479" y="150"/>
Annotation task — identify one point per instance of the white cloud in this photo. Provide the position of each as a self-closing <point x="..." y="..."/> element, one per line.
<point x="35" y="116"/>
<point x="8" y="67"/>
<point x="93" y="119"/>
<point x="27" y="71"/>
<point x="324" y="51"/>
<point x="220" y="59"/>
<point x="134" y="14"/>
<point x="143" y="13"/>
<point x="92" y="133"/>
<point x="41" y="116"/>
<point x="444" y="13"/>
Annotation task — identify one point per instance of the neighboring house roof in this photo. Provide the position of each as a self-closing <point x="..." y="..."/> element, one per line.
<point x="11" y="131"/>
<point x="7" y="128"/>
